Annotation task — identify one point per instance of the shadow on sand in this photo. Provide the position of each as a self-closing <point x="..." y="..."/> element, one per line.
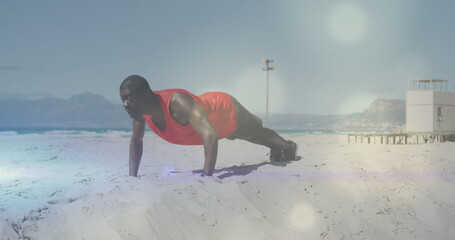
<point x="244" y="169"/>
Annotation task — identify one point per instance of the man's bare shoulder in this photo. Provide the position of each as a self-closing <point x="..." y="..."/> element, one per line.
<point x="181" y="96"/>
<point x="181" y="101"/>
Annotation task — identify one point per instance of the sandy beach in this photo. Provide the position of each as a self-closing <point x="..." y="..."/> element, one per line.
<point x="75" y="186"/>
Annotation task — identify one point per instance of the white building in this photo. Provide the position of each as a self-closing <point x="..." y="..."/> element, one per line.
<point x="429" y="107"/>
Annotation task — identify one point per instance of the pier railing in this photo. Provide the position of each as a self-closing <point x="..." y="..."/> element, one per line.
<point x="399" y="138"/>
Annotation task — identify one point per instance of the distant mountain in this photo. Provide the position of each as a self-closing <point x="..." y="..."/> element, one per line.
<point x="81" y="111"/>
<point x="382" y="115"/>
<point x="386" y="106"/>
<point x="93" y="111"/>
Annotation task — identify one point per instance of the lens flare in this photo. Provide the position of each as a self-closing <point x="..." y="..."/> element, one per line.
<point x="7" y="173"/>
<point x="355" y="103"/>
<point x="302" y="217"/>
<point x="347" y="24"/>
<point x="249" y="87"/>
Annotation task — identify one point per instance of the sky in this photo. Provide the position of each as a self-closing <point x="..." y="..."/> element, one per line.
<point x="329" y="57"/>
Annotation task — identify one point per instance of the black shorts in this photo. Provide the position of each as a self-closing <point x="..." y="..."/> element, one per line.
<point x="249" y="126"/>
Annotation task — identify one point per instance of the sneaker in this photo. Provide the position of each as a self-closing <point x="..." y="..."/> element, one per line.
<point x="291" y="155"/>
<point x="277" y="155"/>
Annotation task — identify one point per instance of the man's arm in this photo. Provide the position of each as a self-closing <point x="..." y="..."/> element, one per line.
<point x="198" y="118"/>
<point x="136" y="146"/>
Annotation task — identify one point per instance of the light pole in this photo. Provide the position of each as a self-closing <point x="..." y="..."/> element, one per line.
<point x="268" y="68"/>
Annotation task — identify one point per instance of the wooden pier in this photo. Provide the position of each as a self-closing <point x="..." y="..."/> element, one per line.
<point x="397" y="138"/>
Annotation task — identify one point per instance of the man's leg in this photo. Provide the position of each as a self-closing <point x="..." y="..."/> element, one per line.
<point x="249" y="128"/>
<point x="280" y="149"/>
<point x="271" y="139"/>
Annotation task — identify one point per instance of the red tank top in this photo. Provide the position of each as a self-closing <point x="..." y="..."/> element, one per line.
<point x="218" y="105"/>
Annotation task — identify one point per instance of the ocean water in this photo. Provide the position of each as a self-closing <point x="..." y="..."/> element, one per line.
<point x="113" y="132"/>
<point x="63" y="133"/>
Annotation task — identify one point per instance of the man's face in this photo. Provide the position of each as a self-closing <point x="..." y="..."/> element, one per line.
<point x="131" y="103"/>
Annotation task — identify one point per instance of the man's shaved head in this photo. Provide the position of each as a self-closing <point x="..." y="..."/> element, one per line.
<point x="135" y="84"/>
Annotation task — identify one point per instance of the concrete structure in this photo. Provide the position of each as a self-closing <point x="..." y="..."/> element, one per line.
<point x="430" y="109"/>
